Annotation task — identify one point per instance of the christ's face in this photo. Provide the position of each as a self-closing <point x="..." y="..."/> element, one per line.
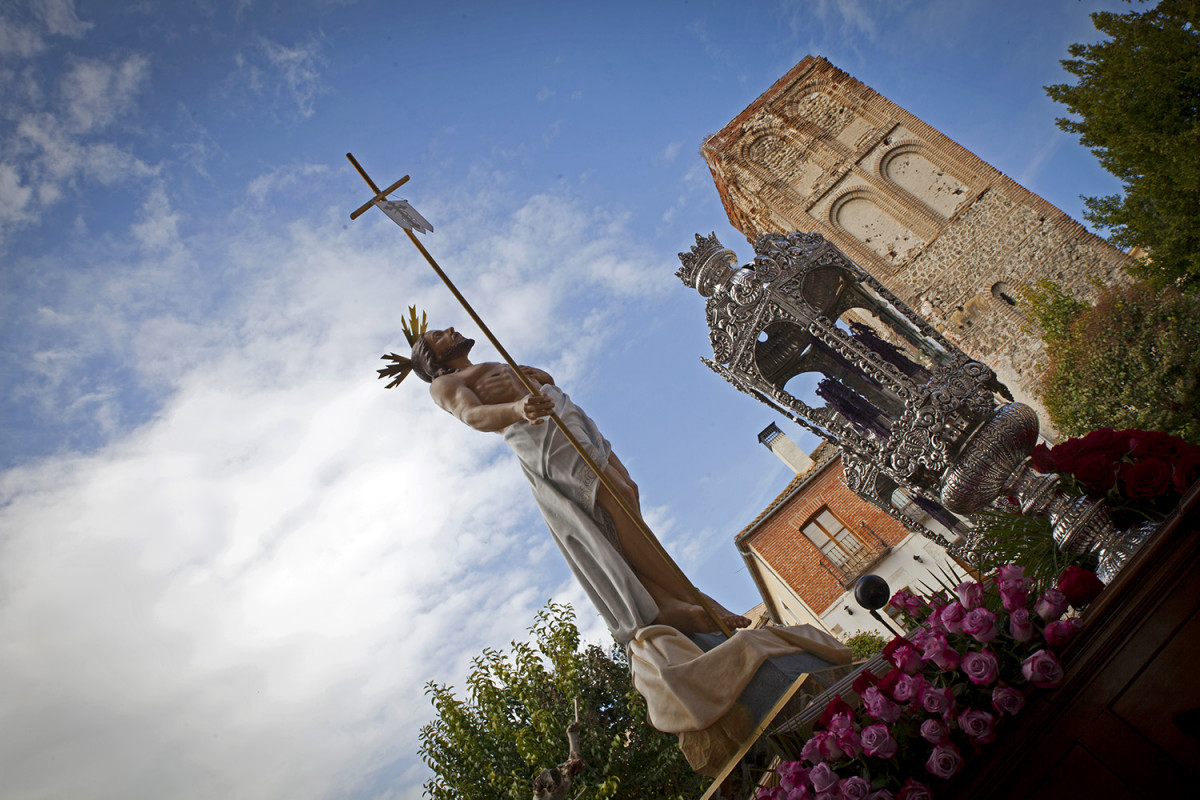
<point x="448" y="344"/>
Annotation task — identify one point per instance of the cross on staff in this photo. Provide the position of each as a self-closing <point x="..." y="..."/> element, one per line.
<point x="398" y="211"/>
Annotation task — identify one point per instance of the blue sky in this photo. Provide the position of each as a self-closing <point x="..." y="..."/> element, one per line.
<point x="229" y="560"/>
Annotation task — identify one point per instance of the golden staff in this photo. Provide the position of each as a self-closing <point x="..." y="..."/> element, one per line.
<point x="381" y="195"/>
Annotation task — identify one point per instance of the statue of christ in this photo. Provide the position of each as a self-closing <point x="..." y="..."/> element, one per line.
<point x="626" y="578"/>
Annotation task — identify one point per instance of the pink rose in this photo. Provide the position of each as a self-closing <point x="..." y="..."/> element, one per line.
<point x="792" y="775"/>
<point x="1079" y="586"/>
<point x="948" y="659"/>
<point x="1042" y="669"/>
<point x="878" y="741"/>
<point x="970" y="594"/>
<point x="1011" y="572"/>
<point x="854" y="788"/>
<point x="901" y="654"/>
<point x="928" y="642"/>
<point x="1059" y="633"/>
<point x="979" y="725"/>
<point x="944" y="761"/>
<point x="1051" y="605"/>
<point x="981" y="625"/>
<point x="848" y="740"/>
<point x="908" y="689"/>
<point x="907" y="601"/>
<point x="982" y="668"/>
<point x="881" y="794"/>
<point x="821" y="747"/>
<point x="912" y="790"/>
<point x="1013" y="593"/>
<point x="1007" y="700"/>
<point x="935" y="731"/>
<point x="1020" y="625"/>
<point x="938" y="701"/>
<point x="811" y="752"/>
<point x="822" y="777"/>
<point x="951" y="617"/>
<point x="770" y="793"/>
<point x="879" y="707"/>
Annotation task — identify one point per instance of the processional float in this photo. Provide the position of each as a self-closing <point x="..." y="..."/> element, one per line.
<point x="918" y="421"/>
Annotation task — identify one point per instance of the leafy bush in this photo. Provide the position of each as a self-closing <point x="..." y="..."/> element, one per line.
<point x="1130" y="361"/>
<point x="865" y="644"/>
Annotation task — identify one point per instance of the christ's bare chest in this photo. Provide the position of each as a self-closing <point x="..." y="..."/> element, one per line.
<point x="493" y="383"/>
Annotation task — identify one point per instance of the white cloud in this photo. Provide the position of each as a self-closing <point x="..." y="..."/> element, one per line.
<point x="14" y="195"/>
<point x="60" y="142"/>
<point x="97" y="92"/>
<point x="244" y="596"/>
<point x="57" y="17"/>
<point x="669" y="153"/>
<point x="283" y="179"/>
<point x="298" y="72"/>
<point x="545" y="93"/>
<point x="60" y="18"/>
<point x="17" y="39"/>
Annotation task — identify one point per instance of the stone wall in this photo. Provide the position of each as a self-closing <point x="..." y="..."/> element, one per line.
<point x="946" y="232"/>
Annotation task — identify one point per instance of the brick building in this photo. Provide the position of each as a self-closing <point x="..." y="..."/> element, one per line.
<point x="944" y="231"/>
<point x="808" y="547"/>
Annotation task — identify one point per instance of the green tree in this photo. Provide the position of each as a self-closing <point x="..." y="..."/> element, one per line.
<point x="1130" y="361"/>
<point x="512" y="723"/>
<point x="1137" y="107"/>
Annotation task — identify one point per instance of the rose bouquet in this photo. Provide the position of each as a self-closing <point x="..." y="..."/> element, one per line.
<point x="977" y="652"/>
<point x="1142" y="474"/>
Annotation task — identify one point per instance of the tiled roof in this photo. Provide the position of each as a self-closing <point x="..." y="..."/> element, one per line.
<point x="822" y="456"/>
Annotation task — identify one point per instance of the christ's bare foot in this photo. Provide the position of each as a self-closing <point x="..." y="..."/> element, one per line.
<point x="692" y="618"/>
<point x="730" y="619"/>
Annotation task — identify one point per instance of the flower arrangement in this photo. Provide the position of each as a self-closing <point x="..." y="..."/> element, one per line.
<point x="978" y="651"/>
<point x="1142" y="474"/>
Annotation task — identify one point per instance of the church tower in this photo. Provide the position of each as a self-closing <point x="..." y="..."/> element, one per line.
<point x="948" y="234"/>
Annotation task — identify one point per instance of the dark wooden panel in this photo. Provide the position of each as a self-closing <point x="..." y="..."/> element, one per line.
<point x="1080" y="774"/>
<point x="1166" y="691"/>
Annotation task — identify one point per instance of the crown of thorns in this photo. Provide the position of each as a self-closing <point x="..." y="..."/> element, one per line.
<point x="400" y="367"/>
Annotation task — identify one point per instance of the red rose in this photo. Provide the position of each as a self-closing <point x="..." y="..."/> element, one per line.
<point x="836" y="706"/>
<point x="1146" y="479"/>
<point x="1154" y="444"/>
<point x="1187" y="468"/>
<point x="1063" y="455"/>
<point x="1043" y="460"/>
<point x="1096" y="471"/>
<point x="865" y="680"/>
<point x="1105" y="440"/>
<point x="888" y="684"/>
<point x="1080" y="586"/>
